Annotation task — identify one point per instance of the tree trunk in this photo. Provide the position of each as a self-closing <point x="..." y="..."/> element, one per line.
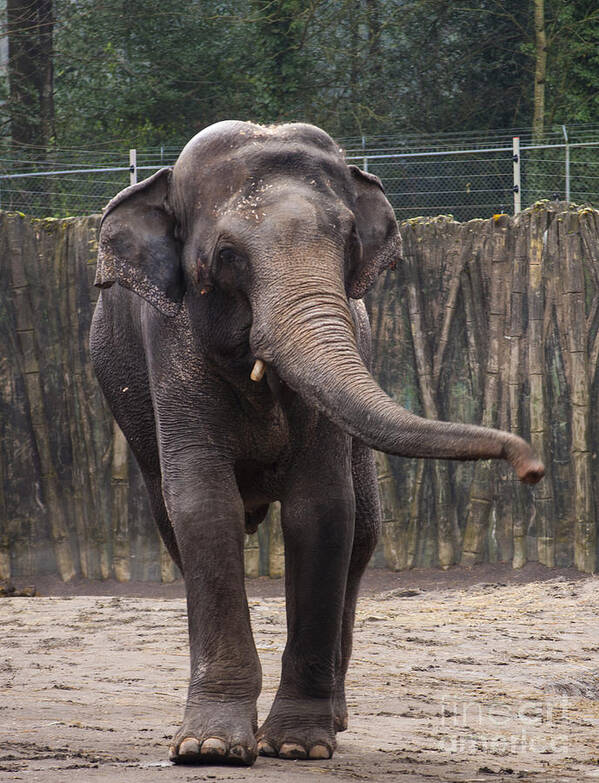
<point x="538" y="120"/>
<point x="46" y="70"/>
<point x="376" y="88"/>
<point x="30" y="72"/>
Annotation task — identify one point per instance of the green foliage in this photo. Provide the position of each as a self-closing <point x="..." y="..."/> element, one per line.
<point x="147" y="73"/>
<point x="139" y="73"/>
<point x="573" y="73"/>
<point x="281" y="67"/>
<point x="142" y="71"/>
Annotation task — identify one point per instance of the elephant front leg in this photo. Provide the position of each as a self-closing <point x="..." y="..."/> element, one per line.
<point x="220" y="718"/>
<point x="317" y="518"/>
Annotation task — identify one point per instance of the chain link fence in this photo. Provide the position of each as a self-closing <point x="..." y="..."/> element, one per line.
<point x="476" y="176"/>
<point x="73" y="182"/>
<point x="467" y="175"/>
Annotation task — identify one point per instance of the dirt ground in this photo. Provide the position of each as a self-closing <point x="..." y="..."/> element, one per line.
<point x="479" y="675"/>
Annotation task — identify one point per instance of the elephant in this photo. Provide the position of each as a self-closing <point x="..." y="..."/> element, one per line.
<point x="234" y="354"/>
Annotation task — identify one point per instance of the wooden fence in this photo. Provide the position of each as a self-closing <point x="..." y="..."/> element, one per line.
<point x="491" y="321"/>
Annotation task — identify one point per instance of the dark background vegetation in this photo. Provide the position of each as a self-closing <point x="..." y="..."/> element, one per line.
<point x="100" y="73"/>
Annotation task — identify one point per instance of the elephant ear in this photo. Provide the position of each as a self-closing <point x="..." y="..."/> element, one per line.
<point x="137" y="245"/>
<point x="378" y="232"/>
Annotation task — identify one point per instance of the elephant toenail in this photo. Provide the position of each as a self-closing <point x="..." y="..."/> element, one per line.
<point x="172" y="753"/>
<point x="189" y="747"/>
<point x="213" y="747"/>
<point x="266" y="749"/>
<point x="320" y="752"/>
<point x="289" y="750"/>
<point x="239" y="752"/>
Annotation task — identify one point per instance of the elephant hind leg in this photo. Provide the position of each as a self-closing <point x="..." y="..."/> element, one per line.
<point x="366" y="533"/>
<point x="153" y="483"/>
<point x="123" y="377"/>
<point x="253" y="519"/>
<point x="149" y="464"/>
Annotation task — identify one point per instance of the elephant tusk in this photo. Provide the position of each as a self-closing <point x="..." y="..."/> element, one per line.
<point x="258" y="370"/>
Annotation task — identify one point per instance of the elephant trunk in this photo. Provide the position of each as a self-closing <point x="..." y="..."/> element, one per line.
<point x="309" y="337"/>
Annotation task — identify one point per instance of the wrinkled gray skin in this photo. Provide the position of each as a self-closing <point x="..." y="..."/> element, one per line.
<point x="259" y="244"/>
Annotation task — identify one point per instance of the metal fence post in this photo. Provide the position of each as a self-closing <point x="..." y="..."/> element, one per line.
<point x="133" y="167"/>
<point x="565" y="132"/>
<point x="365" y="163"/>
<point x="517" y="184"/>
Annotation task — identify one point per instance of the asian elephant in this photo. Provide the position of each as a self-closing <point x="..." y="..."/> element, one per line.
<point x="234" y="355"/>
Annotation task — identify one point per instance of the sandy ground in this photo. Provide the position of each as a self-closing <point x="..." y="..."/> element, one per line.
<point x="452" y="680"/>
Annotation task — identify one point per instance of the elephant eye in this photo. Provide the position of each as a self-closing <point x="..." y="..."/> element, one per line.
<point x="227" y="255"/>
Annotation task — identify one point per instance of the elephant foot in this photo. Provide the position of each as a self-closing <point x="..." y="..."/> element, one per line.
<point x="216" y="734"/>
<point x="298" y="729"/>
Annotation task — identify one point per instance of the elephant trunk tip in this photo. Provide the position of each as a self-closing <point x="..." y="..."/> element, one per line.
<point x="529" y="469"/>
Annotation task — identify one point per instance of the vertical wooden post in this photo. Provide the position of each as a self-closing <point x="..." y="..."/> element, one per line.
<point x="394" y="517"/>
<point x="483" y="486"/>
<point x="5" y="569"/>
<point x="168" y="570"/>
<point x="518" y="294"/>
<point x="120" y="506"/>
<point x="414" y="517"/>
<point x="585" y="533"/>
<point x="91" y="429"/>
<point x="539" y="435"/>
<point x="251" y="556"/>
<point x="22" y="250"/>
<point x="276" y="546"/>
<point x="428" y="376"/>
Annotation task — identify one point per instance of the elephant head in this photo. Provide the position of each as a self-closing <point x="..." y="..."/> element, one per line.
<point x="267" y="233"/>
